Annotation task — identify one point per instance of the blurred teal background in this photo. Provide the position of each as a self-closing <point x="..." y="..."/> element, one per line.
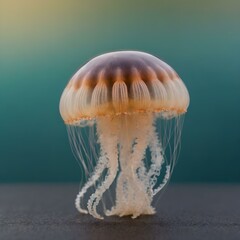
<point x="42" y="43"/>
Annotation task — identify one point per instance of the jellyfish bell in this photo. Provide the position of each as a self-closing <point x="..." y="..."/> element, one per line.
<point x="124" y="113"/>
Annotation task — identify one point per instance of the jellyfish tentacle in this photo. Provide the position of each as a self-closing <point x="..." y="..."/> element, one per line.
<point x="102" y="164"/>
<point x="171" y="163"/>
<point x="107" y="134"/>
<point x="131" y="194"/>
<point x="165" y="180"/>
<point x="121" y="196"/>
<point x="96" y="197"/>
<point x="157" y="159"/>
<point x="125" y="141"/>
<point x="138" y="155"/>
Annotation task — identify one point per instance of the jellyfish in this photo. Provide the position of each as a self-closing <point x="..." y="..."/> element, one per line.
<point x="124" y="114"/>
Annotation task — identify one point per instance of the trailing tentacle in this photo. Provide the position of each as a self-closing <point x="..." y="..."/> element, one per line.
<point x="96" y="197"/>
<point x="102" y="164"/>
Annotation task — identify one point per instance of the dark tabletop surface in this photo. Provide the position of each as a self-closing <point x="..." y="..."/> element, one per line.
<point x="37" y="211"/>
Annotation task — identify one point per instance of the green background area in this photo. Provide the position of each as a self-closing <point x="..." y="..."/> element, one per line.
<point x="42" y="43"/>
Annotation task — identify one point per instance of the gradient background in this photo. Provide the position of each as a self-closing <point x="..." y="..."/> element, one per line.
<point x="43" y="42"/>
